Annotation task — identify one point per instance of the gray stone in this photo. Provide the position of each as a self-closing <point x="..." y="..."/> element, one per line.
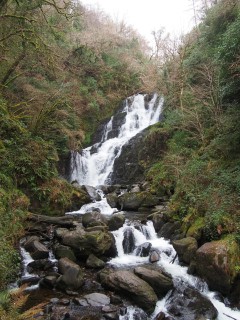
<point x="189" y="304"/>
<point x="38" y="250"/>
<point x="97" y="299"/>
<point x="116" y="221"/>
<point x="154" y="255"/>
<point x="92" y="219"/>
<point x="72" y="275"/>
<point x="112" y="200"/>
<point x="216" y="261"/>
<point x="135" y="200"/>
<point x="94" y="262"/>
<point x="64" y="252"/>
<point x="127" y="282"/>
<point x="160" y="283"/>
<point x="185" y="248"/>
<point x="143" y="250"/>
<point x="92" y="192"/>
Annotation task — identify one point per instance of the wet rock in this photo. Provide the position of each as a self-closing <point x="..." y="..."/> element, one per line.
<point x="189" y="304"/>
<point x="216" y="261"/>
<point x="160" y="283"/>
<point x="135" y="200"/>
<point x="112" y="200"/>
<point x="116" y="221"/>
<point x="37" y="249"/>
<point x="127" y="168"/>
<point x="30" y="280"/>
<point x="92" y="219"/>
<point x="169" y="230"/>
<point x="115" y="299"/>
<point x="235" y="294"/>
<point x="128" y="283"/>
<point x="143" y="250"/>
<point x="92" y="192"/>
<point x="94" y="262"/>
<point x="42" y="264"/>
<point x="158" y="220"/>
<point x="64" y="252"/>
<point x="185" y="248"/>
<point x="128" y="240"/>
<point x="72" y="275"/>
<point x="154" y="255"/>
<point x="48" y="281"/>
<point x="136" y="314"/>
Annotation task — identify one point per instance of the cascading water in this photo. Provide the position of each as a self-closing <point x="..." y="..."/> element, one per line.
<point x="168" y="263"/>
<point x="95" y="163"/>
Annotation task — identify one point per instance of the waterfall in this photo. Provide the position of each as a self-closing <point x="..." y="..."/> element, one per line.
<point x="95" y="163"/>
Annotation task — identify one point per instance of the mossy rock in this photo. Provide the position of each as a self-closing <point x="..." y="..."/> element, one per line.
<point x="58" y="197"/>
<point x="217" y="263"/>
<point x="135" y="200"/>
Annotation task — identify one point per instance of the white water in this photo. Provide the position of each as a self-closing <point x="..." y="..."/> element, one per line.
<point x="93" y="168"/>
<point x="178" y="272"/>
<point x="102" y="205"/>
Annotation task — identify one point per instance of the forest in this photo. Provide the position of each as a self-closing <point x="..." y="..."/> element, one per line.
<point x="64" y="68"/>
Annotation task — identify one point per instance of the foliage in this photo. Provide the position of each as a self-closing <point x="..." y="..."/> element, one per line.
<point x="201" y="84"/>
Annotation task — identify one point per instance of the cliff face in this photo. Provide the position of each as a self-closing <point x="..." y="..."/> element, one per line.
<point x="138" y="155"/>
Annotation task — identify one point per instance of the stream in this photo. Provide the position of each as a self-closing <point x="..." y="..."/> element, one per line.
<point x="93" y="167"/>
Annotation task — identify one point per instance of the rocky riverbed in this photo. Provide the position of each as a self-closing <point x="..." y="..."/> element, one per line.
<point x="72" y="259"/>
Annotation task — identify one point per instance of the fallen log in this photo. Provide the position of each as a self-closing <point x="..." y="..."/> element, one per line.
<point x="64" y="221"/>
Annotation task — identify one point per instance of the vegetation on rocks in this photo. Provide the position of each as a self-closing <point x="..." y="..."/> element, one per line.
<point x="201" y="163"/>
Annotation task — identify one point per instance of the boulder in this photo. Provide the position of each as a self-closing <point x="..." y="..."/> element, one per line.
<point x="216" y="261"/>
<point x="128" y="240"/>
<point x="62" y="251"/>
<point x="169" y="230"/>
<point x="116" y="221"/>
<point x="41" y="264"/>
<point x="94" y="300"/>
<point x="135" y="200"/>
<point x="49" y="281"/>
<point x="72" y="275"/>
<point x="189" y="304"/>
<point x="112" y="200"/>
<point x="143" y="250"/>
<point x="85" y="243"/>
<point x="154" y="255"/>
<point x="94" y="262"/>
<point x="92" y="192"/>
<point x="158" y="220"/>
<point x="160" y="283"/>
<point x="92" y="219"/>
<point x="36" y="249"/>
<point x="185" y="248"/>
<point x="128" y="283"/>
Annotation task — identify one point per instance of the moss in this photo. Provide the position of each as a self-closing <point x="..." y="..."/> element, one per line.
<point x="195" y="230"/>
<point x="233" y="254"/>
<point x="57" y="196"/>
